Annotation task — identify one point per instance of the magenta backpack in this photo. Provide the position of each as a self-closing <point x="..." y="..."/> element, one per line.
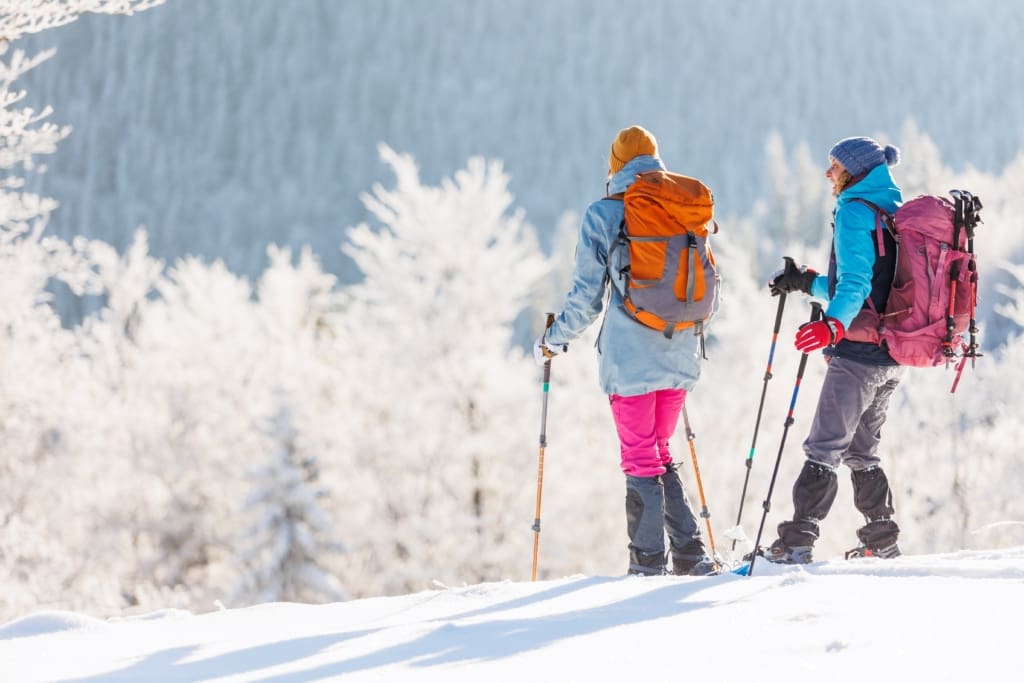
<point x="935" y="287"/>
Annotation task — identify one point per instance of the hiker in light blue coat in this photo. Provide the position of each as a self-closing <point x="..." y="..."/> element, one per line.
<point x="861" y="376"/>
<point x="645" y="374"/>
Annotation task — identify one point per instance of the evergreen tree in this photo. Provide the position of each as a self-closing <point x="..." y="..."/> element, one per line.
<point x="49" y="391"/>
<point x="290" y="539"/>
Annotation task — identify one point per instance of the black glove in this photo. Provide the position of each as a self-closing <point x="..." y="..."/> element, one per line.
<point x="792" y="278"/>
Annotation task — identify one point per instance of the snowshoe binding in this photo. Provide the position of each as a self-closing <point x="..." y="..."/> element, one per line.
<point x="885" y="553"/>
<point x="780" y="553"/>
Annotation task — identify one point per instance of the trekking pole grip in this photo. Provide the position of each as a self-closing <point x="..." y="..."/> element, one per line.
<point x="817" y="312"/>
<point x="549" y="321"/>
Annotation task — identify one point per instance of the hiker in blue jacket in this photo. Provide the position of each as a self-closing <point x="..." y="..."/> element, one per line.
<point x="645" y="374"/>
<point x="861" y="375"/>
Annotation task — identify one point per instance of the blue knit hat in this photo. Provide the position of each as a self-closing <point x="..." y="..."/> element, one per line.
<point x="860" y="155"/>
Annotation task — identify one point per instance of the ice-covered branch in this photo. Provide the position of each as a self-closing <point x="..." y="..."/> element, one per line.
<point x="21" y="17"/>
<point x="24" y="132"/>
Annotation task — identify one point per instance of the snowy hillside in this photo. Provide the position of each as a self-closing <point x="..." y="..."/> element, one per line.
<point x="925" y="618"/>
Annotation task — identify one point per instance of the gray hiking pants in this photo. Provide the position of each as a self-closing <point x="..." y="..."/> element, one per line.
<point x="851" y="410"/>
<point x="846" y="430"/>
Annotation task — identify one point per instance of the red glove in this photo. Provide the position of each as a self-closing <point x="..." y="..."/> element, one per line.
<point x="819" y="334"/>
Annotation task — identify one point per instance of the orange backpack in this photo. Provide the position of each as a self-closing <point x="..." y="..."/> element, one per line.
<point x="669" y="281"/>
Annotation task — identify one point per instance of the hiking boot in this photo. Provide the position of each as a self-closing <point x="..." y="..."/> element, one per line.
<point x="689" y="556"/>
<point x="646" y="564"/>
<point x="878" y="533"/>
<point x="693" y="565"/>
<point x="705" y="567"/>
<point x="779" y="553"/>
<point x="886" y="552"/>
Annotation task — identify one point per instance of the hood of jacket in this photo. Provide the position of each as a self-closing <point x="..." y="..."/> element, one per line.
<point x="627" y="174"/>
<point x="877" y="187"/>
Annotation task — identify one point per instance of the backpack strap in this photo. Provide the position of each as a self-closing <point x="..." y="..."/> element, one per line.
<point x="882" y="217"/>
<point x="622" y="238"/>
<point x="693" y="262"/>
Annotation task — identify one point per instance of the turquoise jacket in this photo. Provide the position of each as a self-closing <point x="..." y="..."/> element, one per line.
<point x="854" y="243"/>
<point x="633" y="359"/>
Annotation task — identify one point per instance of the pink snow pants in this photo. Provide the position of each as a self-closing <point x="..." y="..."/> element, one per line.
<point x="645" y="423"/>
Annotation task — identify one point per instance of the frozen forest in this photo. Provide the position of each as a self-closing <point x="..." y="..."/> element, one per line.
<point x="270" y="272"/>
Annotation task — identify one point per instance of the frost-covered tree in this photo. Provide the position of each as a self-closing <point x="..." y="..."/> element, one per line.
<point x="48" y="387"/>
<point x="24" y="132"/>
<point x="285" y="547"/>
<point x="441" y="389"/>
<point x="796" y="210"/>
<point x="210" y="353"/>
<point x="23" y="135"/>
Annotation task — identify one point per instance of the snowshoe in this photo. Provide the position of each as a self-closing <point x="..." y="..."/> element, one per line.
<point x="886" y="553"/>
<point x="779" y="553"/>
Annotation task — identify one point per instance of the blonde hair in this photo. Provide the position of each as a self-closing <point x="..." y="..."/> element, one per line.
<point x="841" y="182"/>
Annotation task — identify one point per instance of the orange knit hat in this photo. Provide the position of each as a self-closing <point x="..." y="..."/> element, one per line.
<point x="630" y="142"/>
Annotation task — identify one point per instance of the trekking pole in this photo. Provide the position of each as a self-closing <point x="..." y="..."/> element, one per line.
<point x="971" y="221"/>
<point x="700" y="487"/>
<point x="966" y="210"/>
<point x="760" y="407"/>
<point x="543" y="444"/>
<point x="816" y="314"/>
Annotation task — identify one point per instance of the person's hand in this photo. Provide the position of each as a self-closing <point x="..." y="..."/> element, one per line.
<point x="792" y="278"/>
<point x="819" y="334"/>
<point x="543" y="352"/>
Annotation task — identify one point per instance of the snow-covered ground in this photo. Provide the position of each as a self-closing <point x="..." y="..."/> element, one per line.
<point x="917" y="618"/>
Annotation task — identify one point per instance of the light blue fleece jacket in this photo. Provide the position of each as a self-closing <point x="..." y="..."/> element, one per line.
<point x="633" y="359"/>
<point x="854" y="242"/>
